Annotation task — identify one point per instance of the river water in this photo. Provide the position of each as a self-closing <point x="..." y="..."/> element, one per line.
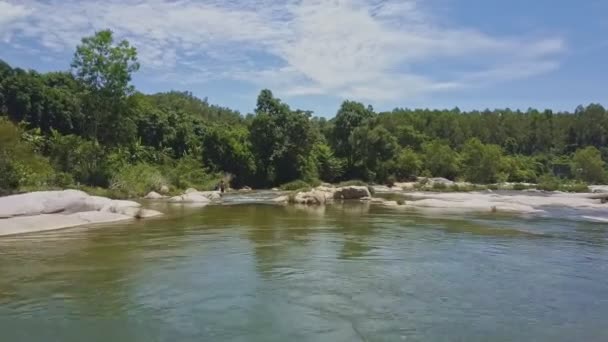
<point x="248" y="271"/>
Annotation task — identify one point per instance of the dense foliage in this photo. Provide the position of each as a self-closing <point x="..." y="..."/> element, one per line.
<point x="90" y="127"/>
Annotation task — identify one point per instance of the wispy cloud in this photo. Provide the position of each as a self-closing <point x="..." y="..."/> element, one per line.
<point x="364" y="49"/>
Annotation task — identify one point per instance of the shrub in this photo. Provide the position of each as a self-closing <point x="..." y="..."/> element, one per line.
<point x="9" y="178"/>
<point x="575" y="187"/>
<point x="85" y="160"/>
<point x="519" y="187"/>
<point x="481" y="163"/>
<point x="137" y="180"/>
<point x="390" y="181"/>
<point x="188" y="172"/>
<point x="548" y="183"/>
<point x="406" y="165"/>
<point x="587" y="165"/>
<point x="440" y="186"/>
<point x="295" y="185"/>
<point x="353" y="183"/>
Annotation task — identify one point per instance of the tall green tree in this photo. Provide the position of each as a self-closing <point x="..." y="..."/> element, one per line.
<point x="105" y="69"/>
<point x="350" y="116"/>
<point x="282" y="141"/>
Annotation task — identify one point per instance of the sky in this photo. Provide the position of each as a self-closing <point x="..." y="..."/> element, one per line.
<point x="314" y="54"/>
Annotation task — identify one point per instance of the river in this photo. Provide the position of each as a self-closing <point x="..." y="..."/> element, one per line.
<point x="248" y="271"/>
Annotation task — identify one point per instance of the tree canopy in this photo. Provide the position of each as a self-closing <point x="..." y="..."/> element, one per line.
<point x="91" y="127"/>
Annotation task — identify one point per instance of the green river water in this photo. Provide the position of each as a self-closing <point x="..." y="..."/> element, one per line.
<point x="248" y="271"/>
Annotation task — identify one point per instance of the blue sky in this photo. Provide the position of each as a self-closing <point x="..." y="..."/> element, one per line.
<point x="474" y="54"/>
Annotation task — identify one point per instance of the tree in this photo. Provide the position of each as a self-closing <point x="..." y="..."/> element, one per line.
<point x="481" y="163"/>
<point x="350" y="116"/>
<point x="329" y="167"/>
<point x="588" y="166"/>
<point x="228" y="149"/>
<point x="105" y="69"/>
<point x="373" y="146"/>
<point x="440" y="160"/>
<point x="406" y="165"/>
<point x="282" y="141"/>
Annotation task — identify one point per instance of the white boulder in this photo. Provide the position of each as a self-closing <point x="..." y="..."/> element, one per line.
<point x="46" y="210"/>
<point x="152" y="195"/>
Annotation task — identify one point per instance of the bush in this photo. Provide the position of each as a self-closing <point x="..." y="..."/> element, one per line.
<point x="188" y="172"/>
<point x="481" y="163"/>
<point x="85" y="160"/>
<point x="20" y="166"/>
<point x="137" y="180"/>
<point x="63" y="180"/>
<point x="587" y="165"/>
<point x="9" y="178"/>
<point x="519" y="187"/>
<point x="440" y="186"/>
<point x="575" y="187"/>
<point x="295" y="185"/>
<point x="440" y="160"/>
<point x="406" y="165"/>
<point x="390" y="181"/>
<point x="352" y="183"/>
<point x="548" y="183"/>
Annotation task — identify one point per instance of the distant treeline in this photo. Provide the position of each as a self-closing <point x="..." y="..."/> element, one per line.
<point x="90" y="127"/>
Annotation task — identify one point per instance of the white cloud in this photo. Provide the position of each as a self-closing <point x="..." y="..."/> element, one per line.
<point x="9" y="13"/>
<point x="363" y="49"/>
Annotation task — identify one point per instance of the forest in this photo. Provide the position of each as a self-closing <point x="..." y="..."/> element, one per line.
<point x="89" y="128"/>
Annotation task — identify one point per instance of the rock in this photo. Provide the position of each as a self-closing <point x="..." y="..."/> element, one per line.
<point x="245" y="189"/>
<point x="405" y="185"/>
<point x="442" y="181"/>
<point x="599" y="188"/>
<point x="275" y="189"/>
<point x="47" y="210"/>
<point x="313" y="197"/>
<point x="352" y="192"/>
<point x="41" y="202"/>
<point x="190" y="190"/>
<point x="366" y="199"/>
<point x="382" y="188"/>
<point x="192" y="197"/>
<point x="281" y="199"/>
<point x="154" y="196"/>
<point x="211" y="195"/>
<point x="164" y="189"/>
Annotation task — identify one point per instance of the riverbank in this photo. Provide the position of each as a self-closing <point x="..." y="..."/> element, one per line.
<point x="50" y="210"/>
